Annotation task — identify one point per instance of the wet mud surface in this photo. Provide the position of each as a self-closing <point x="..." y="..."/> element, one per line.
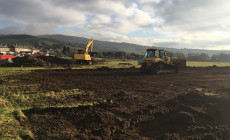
<point x="193" y="104"/>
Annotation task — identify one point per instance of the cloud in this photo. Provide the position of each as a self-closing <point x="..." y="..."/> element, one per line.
<point x="101" y="19"/>
<point x="26" y="12"/>
<point x="169" y="23"/>
<point x="30" y="29"/>
<point x="204" y="24"/>
<point x="122" y="16"/>
<point x="196" y="15"/>
<point x="11" y="30"/>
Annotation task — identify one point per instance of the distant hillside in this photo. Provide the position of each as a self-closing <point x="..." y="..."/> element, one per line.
<point x="99" y="45"/>
<point x="59" y="41"/>
<point x="16" y="37"/>
<point x="125" y="47"/>
<point x="28" y="40"/>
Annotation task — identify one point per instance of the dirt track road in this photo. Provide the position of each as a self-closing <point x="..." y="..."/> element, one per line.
<point x="193" y="104"/>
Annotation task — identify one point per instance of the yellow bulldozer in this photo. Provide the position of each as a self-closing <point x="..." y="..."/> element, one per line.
<point x="84" y="56"/>
<point x="155" y="60"/>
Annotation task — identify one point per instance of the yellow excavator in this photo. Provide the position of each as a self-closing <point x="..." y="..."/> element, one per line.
<point x="84" y="56"/>
<point x="155" y="60"/>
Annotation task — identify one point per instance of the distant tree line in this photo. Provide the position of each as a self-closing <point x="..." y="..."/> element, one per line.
<point x="67" y="51"/>
<point x="117" y="54"/>
<point x="221" y="57"/>
<point x="201" y="57"/>
<point x="189" y="57"/>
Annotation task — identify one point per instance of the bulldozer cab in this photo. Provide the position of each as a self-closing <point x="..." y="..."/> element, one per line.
<point x="152" y="53"/>
<point x="156" y="53"/>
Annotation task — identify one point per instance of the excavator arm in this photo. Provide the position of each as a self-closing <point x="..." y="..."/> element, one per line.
<point x="90" y="43"/>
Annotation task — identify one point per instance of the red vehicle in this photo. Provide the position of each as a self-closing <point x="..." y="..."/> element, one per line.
<point x="2" y="57"/>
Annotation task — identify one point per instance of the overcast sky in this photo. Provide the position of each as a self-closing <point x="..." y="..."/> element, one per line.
<point x="198" y="24"/>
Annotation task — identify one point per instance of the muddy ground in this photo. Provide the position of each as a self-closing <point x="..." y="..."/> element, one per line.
<point x="193" y="104"/>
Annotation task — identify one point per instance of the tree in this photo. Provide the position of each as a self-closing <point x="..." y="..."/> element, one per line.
<point x="170" y="54"/>
<point x="224" y="57"/>
<point x="67" y="51"/>
<point x="204" y="57"/>
<point x="214" y="58"/>
<point x="179" y="55"/>
<point x="108" y="54"/>
<point x="119" y="54"/>
<point x="194" y="57"/>
<point x="64" y="50"/>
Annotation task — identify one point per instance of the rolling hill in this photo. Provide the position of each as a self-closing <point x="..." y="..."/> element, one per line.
<point x="59" y="41"/>
<point x="125" y="47"/>
<point x="99" y="45"/>
<point x="28" y="40"/>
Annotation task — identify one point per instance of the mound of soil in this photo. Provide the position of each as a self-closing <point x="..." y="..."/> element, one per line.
<point x="55" y="60"/>
<point x="168" y="120"/>
<point x="84" y="122"/>
<point x="27" y="61"/>
<point x="190" y="119"/>
<point x="41" y="61"/>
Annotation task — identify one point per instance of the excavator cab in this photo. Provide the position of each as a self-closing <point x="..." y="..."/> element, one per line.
<point x="80" y="52"/>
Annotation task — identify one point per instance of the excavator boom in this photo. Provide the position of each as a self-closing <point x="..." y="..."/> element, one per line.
<point x="90" y="43"/>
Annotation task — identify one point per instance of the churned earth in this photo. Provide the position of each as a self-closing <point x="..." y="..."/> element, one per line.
<point x="193" y="104"/>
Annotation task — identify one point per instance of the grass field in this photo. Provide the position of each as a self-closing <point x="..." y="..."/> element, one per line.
<point x="111" y="63"/>
<point x="12" y="70"/>
<point x="206" y="64"/>
<point x="16" y="97"/>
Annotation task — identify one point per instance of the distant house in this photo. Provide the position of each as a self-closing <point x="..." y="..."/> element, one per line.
<point x="4" y="48"/>
<point x="18" y="49"/>
<point x="35" y="51"/>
